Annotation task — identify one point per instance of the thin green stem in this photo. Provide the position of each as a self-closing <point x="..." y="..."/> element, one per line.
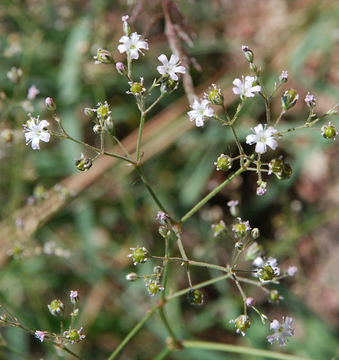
<point x="141" y="127"/>
<point x="189" y="344"/>
<point x="70" y="352"/>
<point x="163" y="354"/>
<point x="243" y="295"/>
<point x="202" y="202"/>
<point x="279" y="117"/>
<point x="131" y="334"/>
<point x="241" y="151"/>
<point x="184" y="256"/>
<point x="155" y="102"/>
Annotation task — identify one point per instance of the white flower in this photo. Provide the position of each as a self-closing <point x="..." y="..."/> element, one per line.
<point x="32" y="92"/>
<point x="200" y="111"/>
<point x="281" y="331"/>
<point x="292" y="270"/>
<point x="35" y="131"/>
<point x="74" y="296"/>
<point x="170" y="67"/>
<point x="262" y="137"/>
<point x="40" y="335"/>
<point x="267" y="270"/>
<point x="245" y="87"/>
<point x="132" y="44"/>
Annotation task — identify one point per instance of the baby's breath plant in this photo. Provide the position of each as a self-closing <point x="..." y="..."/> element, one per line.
<point x="248" y="263"/>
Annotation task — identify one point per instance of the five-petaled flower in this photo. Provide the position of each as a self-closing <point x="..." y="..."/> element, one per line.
<point x="246" y="87"/>
<point x="281" y="331"/>
<point x="35" y="131"/>
<point x="262" y="137"/>
<point x="200" y="111"/>
<point x="132" y="45"/>
<point x="170" y="67"/>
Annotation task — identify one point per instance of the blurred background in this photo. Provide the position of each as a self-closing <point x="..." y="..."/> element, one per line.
<point x="62" y="230"/>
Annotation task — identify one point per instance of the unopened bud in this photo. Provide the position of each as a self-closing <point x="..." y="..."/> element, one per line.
<point x="50" y="104"/>
<point x="56" y="307"/>
<point x="249" y="301"/>
<point x="132" y="277"/>
<point x="168" y="85"/>
<point x="97" y="129"/>
<point x="125" y="26"/>
<point x="284" y="76"/>
<point x="255" y="233"/>
<point x="120" y="68"/>
<point x="89" y="112"/>
<point x="289" y="99"/>
<point x="248" y="53"/>
<point x="7" y="136"/>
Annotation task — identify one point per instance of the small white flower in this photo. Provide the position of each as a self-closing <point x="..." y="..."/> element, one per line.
<point x="200" y="111"/>
<point x="267" y="270"/>
<point x="262" y="137"/>
<point x="284" y="76"/>
<point x="74" y="296"/>
<point x="40" y="335"/>
<point x="245" y="87"/>
<point x="132" y="45"/>
<point x="281" y="331"/>
<point x="310" y="100"/>
<point x="170" y="67"/>
<point x="32" y="92"/>
<point x="262" y="188"/>
<point x="35" y="131"/>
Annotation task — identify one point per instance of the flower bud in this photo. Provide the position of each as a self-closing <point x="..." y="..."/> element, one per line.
<point x="132" y="277"/>
<point x="139" y="255"/>
<point x="261" y="189"/>
<point x="224" y="162"/>
<point x="292" y="270"/>
<point x="157" y="270"/>
<point x="168" y="85"/>
<point x="274" y="296"/>
<point x="15" y="75"/>
<point x="125" y="26"/>
<point x="289" y="99"/>
<point x="103" y="57"/>
<point x="310" y="100"/>
<point x="249" y="301"/>
<point x="56" y="307"/>
<point x="284" y="76"/>
<point x="255" y="233"/>
<point x="109" y="124"/>
<point x="50" y="104"/>
<point x="232" y="204"/>
<point x="74" y="296"/>
<point x="239" y="245"/>
<point x="248" y="53"/>
<point x="195" y="297"/>
<point x="83" y="163"/>
<point x="253" y="68"/>
<point x="120" y="68"/>
<point x="97" y="129"/>
<point x="329" y="131"/>
<point x="218" y="228"/>
<point x="89" y="112"/>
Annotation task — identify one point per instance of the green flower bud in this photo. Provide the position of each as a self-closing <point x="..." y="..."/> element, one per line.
<point x="103" y="57"/>
<point x="195" y="297"/>
<point x="139" y="255"/>
<point x="289" y="99"/>
<point x="224" y="162"/>
<point x="329" y="131"/>
<point x="274" y="296"/>
<point x="56" y="307"/>
<point x="83" y="163"/>
<point x="248" y="53"/>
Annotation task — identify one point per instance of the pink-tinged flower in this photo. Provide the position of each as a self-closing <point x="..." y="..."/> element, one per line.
<point x="32" y="92"/>
<point x="292" y="270"/>
<point x="246" y="87"/>
<point x="170" y="67"/>
<point x="281" y="331"/>
<point x="74" y="296"/>
<point x="310" y="100"/>
<point x="262" y="137"/>
<point x="200" y="110"/>
<point x="284" y="76"/>
<point x="35" y="131"/>
<point x="132" y="45"/>
<point x="40" y="335"/>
